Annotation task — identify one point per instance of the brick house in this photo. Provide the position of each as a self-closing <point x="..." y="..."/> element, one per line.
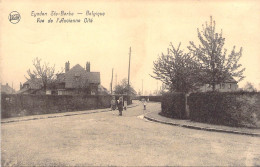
<point x="229" y="85"/>
<point x="33" y="86"/>
<point x="6" y="89"/>
<point x="76" y="80"/>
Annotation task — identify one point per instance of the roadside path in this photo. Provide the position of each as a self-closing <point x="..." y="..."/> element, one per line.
<point x="154" y="116"/>
<point x="62" y="114"/>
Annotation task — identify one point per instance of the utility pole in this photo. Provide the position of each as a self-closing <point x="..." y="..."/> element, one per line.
<point x="111" y="84"/>
<point x="12" y="88"/>
<point x="116" y="79"/>
<point x="128" y="92"/>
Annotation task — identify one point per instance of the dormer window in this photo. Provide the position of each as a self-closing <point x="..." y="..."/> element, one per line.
<point x="77" y="76"/>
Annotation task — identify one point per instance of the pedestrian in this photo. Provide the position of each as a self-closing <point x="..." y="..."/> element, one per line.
<point x="113" y="103"/>
<point x="144" y="103"/>
<point x="125" y="104"/>
<point x="120" y="105"/>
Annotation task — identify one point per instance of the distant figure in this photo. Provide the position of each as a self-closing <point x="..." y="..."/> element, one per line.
<point x="144" y="103"/>
<point x="125" y="104"/>
<point x="113" y="103"/>
<point x="120" y="105"/>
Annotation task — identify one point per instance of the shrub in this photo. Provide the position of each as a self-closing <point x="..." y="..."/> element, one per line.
<point x="240" y="109"/>
<point x="173" y="105"/>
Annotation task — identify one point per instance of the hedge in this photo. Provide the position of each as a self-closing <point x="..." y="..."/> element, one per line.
<point x="239" y="109"/>
<point x="173" y="105"/>
<point x="22" y="105"/>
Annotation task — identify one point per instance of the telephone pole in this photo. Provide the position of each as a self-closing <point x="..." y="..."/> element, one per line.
<point x="128" y="92"/>
<point x="111" y="84"/>
<point x="116" y="79"/>
<point x="12" y="88"/>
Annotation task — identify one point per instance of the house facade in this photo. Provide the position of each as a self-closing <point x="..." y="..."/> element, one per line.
<point x="230" y="85"/>
<point x="6" y="89"/>
<point x="33" y="86"/>
<point x="75" y="80"/>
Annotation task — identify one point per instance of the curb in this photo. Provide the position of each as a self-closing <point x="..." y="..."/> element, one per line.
<point x="202" y="128"/>
<point x="56" y="116"/>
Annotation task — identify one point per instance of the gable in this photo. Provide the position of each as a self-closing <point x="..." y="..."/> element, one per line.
<point x="78" y="77"/>
<point x="6" y="89"/>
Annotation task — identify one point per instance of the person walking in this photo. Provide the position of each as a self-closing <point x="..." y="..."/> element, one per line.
<point x="120" y="105"/>
<point x="125" y="104"/>
<point x="144" y="103"/>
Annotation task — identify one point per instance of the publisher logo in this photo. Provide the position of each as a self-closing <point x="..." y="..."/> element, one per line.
<point x="14" y="17"/>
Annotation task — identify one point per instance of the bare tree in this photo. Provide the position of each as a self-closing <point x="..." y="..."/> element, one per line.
<point x="249" y="87"/>
<point x="216" y="65"/>
<point x="177" y="70"/>
<point x="122" y="88"/>
<point x="42" y="74"/>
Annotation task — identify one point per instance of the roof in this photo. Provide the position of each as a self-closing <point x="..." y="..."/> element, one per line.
<point x="77" y="76"/>
<point x="34" y="83"/>
<point x="22" y="90"/>
<point x="230" y="79"/>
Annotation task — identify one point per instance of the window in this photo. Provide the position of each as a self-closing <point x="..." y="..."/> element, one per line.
<point x="59" y="92"/>
<point x="48" y="92"/>
<point x="77" y="76"/>
<point x="223" y="86"/>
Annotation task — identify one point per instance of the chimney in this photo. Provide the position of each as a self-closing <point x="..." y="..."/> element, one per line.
<point x="67" y="66"/>
<point x="21" y="86"/>
<point x="88" y="66"/>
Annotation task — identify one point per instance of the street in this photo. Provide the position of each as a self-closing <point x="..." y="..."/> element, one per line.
<point x="103" y="139"/>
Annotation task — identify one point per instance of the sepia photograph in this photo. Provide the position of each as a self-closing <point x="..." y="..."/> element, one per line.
<point x="130" y="83"/>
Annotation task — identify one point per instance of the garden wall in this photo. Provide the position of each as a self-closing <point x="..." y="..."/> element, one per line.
<point x="21" y="105"/>
<point x="155" y="98"/>
<point x="240" y="109"/>
<point x="173" y="105"/>
<point x="151" y="98"/>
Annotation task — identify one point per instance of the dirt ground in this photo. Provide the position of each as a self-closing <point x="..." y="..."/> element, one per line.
<point x="105" y="139"/>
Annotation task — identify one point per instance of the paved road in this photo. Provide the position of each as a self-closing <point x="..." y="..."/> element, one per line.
<point x="107" y="139"/>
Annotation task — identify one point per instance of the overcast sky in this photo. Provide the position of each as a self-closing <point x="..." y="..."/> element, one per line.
<point x="147" y="26"/>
